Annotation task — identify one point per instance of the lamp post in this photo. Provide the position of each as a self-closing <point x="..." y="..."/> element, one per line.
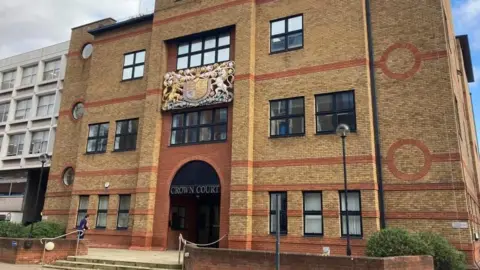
<point x="343" y="130"/>
<point x="43" y="159"/>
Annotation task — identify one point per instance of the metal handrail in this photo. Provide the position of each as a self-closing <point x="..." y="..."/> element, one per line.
<point x="185" y="242"/>
<point x="78" y="232"/>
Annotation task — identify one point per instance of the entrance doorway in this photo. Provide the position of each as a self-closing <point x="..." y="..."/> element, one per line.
<point x="195" y="205"/>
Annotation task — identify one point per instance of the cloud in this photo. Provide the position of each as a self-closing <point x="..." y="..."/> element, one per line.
<point x="466" y="14"/>
<point x="32" y="24"/>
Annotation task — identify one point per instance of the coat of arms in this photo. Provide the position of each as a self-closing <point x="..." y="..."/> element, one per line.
<point x="195" y="90"/>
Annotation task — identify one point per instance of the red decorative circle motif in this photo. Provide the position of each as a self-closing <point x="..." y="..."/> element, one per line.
<point x="409" y="176"/>
<point x="409" y="73"/>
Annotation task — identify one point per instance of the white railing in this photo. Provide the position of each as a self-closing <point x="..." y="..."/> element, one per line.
<point x="185" y="242"/>
<point x="78" y="232"/>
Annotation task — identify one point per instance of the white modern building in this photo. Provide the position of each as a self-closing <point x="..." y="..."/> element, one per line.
<point x="30" y="91"/>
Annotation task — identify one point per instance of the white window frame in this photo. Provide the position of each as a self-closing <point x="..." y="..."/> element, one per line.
<point x="39" y="142"/>
<point x="4" y="107"/>
<point x="46" y="103"/>
<point x="23" y="111"/>
<point x="29" y="75"/>
<point x="51" y="70"/>
<point x="10" y="82"/>
<point x="15" y="145"/>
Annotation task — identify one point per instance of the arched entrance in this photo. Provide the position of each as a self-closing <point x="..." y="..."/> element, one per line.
<point x="195" y="203"/>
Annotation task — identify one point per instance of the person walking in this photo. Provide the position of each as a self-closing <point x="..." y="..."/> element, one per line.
<point x="83" y="226"/>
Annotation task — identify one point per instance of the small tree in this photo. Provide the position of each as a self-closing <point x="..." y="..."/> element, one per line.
<point x="445" y="256"/>
<point x="396" y="242"/>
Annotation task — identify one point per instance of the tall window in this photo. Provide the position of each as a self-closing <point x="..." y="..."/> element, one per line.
<point x="15" y="146"/>
<point x="287" y="117"/>
<point x="133" y="65"/>
<point x="335" y="109"/>
<point x="283" y="212"/>
<point x="12" y="189"/>
<point x="4" y="107"/>
<point x="8" y="80"/>
<point x="312" y="213"/>
<point x="203" y="51"/>
<point x="39" y="142"/>
<point x="45" y="105"/>
<point x="102" y="212"/>
<point x="286" y="34"/>
<point x="123" y="209"/>
<point x="126" y="135"/>
<point x="178" y="218"/>
<point x="23" y="109"/>
<point x="82" y="208"/>
<point x="51" y="70"/>
<point x="97" y="138"/>
<point x="354" y="213"/>
<point x="199" y="127"/>
<point x="29" y="75"/>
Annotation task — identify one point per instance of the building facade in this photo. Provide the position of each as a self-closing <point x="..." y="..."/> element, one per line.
<point x="30" y="93"/>
<point x="191" y="120"/>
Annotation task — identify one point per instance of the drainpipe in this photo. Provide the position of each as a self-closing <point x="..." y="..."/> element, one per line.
<point x="376" y="135"/>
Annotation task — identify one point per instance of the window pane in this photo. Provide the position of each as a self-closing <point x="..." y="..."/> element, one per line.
<point x="102" y="145"/>
<point x="93" y="131"/>
<point x="133" y="126"/>
<point x="295" y="40"/>
<point x="353" y="201"/>
<point x="121" y="127"/>
<point x="80" y="216"/>
<point x="224" y="55"/>
<point x="273" y="223"/>
<point x="347" y="118"/>
<point x="325" y="123"/>
<point x="224" y="40"/>
<point x="295" y="106"/>
<point x="124" y="203"/>
<point x="140" y="57"/>
<point x="209" y="57"/>
<point x="103" y="130"/>
<point x="296" y="125"/>
<point x="205" y="134"/>
<point x="278" y="27"/>
<point x="91" y="145"/>
<point x="83" y="203"/>
<point x="354" y="224"/>
<point x="127" y="73"/>
<point x="192" y="119"/>
<point x="279" y="127"/>
<point x="278" y="108"/>
<point x="195" y="60"/>
<point x="205" y="117"/>
<point x="278" y="44"/>
<point x="324" y="103"/>
<point x="138" y="71"/>
<point x="210" y="42"/>
<point x="220" y="133"/>
<point x="101" y="220"/>
<point x="182" y="62"/>
<point x="122" y="220"/>
<point x="128" y="60"/>
<point x="177" y="136"/>
<point x="313" y="201"/>
<point x="295" y="23"/>
<point x="196" y="45"/>
<point x="102" y="202"/>
<point x="313" y="224"/>
<point x="191" y="135"/>
<point x="183" y="48"/>
<point x="221" y="116"/>
<point x="177" y="120"/>
<point x="344" y="101"/>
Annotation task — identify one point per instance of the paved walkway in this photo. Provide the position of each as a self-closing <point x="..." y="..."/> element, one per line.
<point x="168" y="257"/>
<point x="6" y="266"/>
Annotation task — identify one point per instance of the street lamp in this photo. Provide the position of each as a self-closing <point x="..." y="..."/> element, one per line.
<point x="43" y="158"/>
<point x="343" y="130"/>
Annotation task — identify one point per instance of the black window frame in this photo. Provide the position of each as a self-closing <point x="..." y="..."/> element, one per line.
<point x="199" y="126"/>
<point x="97" y="138"/>
<point x="125" y="135"/>
<point x="174" y="222"/>
<point x="287" y="33"/>
<point x="287" y="116"/>
<point x="134" y="65"/>
<point x="351" y="213"/>
<point x="102" y="211"/>
<point x="283" y="212"/>
<point x="123" y="211"/>
<point x="315" y="213"/>
<point x="203" y="37"/>
<point x="81" y="210"/>
<point x="335" y="112"/>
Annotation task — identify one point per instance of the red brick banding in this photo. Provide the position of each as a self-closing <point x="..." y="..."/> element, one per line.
<point x="302" y="187"/>
<point x="382" y="64"/>
<point x="409" y="176"/>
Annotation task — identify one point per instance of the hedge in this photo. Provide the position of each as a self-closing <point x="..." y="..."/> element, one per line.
<point x="43" y="229"/>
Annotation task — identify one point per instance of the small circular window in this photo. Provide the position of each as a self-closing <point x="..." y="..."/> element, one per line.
<point x="78" y="111"/>
<point x="68" y="176"/>
<point x="87" y="51"/>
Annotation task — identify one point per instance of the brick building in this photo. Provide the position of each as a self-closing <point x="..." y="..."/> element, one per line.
<point x="190" y="119"/>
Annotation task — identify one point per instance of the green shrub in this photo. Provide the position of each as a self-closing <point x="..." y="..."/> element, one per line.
<point x="12" y="230"/>
<point x="396" y="242"/>
<point x="445" y="256"/>
<point x="42" y="229"/>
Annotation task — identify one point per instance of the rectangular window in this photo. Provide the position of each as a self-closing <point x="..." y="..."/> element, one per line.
<point x="312" y="213"/>
<point x="283" y="212"/>
<point x="123" y="210"/>
<point x="204" y="51"/>
<point x="51" y="70"/>
<point x="178" y="218"/>
<point x="97" y="138"/>
<point x="12" y="189"/>
<point x="45" y="105"/>
<point x="199" y="127"/>
<point x="335" y="109"/>
<point x="286" y="34"/>
<point x="4" y="107"/>
<point x="287" y="117"/>
<point x="102" y="212"/>
<point x="8" y="80"/>
<point x="15" y="146"/>
<point x="29" y="75"/>
<point x="354" y="213"/>
<point x="82" y="208"/>
<point x="126" y="135"/>
<point x="23" y="109"/>
<point x="39" y="142"/>
<point x="133" y="65"/>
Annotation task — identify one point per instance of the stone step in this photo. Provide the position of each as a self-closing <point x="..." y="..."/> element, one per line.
<point x="101" y="265"/>
<point x="50" y="266"/>
<point x="127" y="263"/>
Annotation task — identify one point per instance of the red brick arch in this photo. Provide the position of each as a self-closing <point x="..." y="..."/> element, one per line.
<point x="409" y="176"/>
<point x="409" y="73"/>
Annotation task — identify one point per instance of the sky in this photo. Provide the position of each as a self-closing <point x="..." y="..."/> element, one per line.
<point x="27" y="25"/>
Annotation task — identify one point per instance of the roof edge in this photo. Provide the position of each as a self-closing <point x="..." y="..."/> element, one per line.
<point x="83" y="25"/>
<point x="467" y="57"/>
<point x="107" y="28"/>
